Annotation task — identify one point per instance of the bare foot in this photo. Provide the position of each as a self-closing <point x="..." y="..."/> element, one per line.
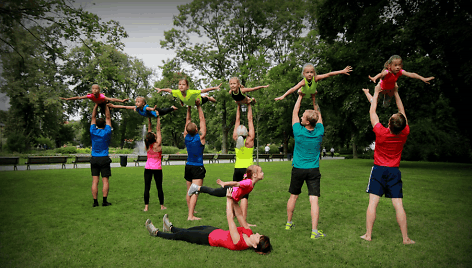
<point x="173" y="107"/>
<point x="162" y="207"/>
<point x="146" y="208"/>
<point x="193" y="218"/>
<point x="408" y="241"/>
<point x="367" y="238"/>
<point x="365" y="90"/>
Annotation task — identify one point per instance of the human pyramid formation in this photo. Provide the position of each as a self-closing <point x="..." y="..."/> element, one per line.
<point x="308" y="131"/>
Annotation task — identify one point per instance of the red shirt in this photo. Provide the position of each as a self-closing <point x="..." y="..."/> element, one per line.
<point x="98" y="100"/>
<point x="222" y="238"/>
<point x="388" y="147"/>
<point x="245" y="187"/>
<point x="389" y="80"/>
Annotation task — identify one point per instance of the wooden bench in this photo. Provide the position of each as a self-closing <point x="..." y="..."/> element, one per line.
<point x="140" y="158"/>
<point x="46" y="160"/>
<point x="81" y="159"/>
<point x="277" y="156"/>
<point x="174" y="157"/>
<point x="230" y="157"/>
<point x="266" y="157"/>
<point x="10" y="161"/>
<point x="209" y="157"/>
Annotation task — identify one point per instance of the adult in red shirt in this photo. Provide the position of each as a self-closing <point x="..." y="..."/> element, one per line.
<point x="237" y="238"/>
<point x="385" y="177"/>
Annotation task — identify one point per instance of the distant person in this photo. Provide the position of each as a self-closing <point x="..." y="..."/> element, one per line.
<point x="153" y="142"/>
<point x="308" y="134"/>
<point x="332" y="152"/>
<point x="194" y="169"/>
<point x="281" y="149"/>
<point x="100" y="133"/>
<point x="324" y="151"/>
<point x="236" y="238"/>
<point x="267" y="149"/>
<point x="385" y="177"/>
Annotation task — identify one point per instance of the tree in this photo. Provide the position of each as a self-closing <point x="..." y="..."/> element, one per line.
<point x="240" y="38"/>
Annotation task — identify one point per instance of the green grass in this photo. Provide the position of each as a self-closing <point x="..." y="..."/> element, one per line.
<point x="47" y="219"/>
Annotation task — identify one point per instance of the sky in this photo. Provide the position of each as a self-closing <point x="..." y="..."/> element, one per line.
<point x="145" y="22"/>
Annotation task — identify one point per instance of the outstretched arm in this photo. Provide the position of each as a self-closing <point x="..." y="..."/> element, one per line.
<point x="94" y="115"/>
<point x="296" y="109"/>
<point x="158" y="133"/>
<point x="244" y="89"/>
<point x="227" y="183"/>
<point x="210" y="88"/>
<point x="187" y="120"/>
<point x="74" y="98"/>
<point x="203" y="129"/>
<point x="317" y="108"/>
<point x="116" y="100"/>
<point x="417" y="76"/>
<point x="168" y="90"/>
<point x="122" y="106"/>
<point x="343" y="71"/>
<point x="399" y="102"/>
<point x="233" y="230"/>
<point x="379" y="75"/>
<point x="292" y="90"/>
<point x="374" y="118"/>
<point x="149" y="124"/>
<point x="107" y="116"/>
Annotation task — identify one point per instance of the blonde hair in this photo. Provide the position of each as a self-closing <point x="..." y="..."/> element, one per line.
<point x="308" y="65"/>
<point x="241" y="131"/>
<point x="390" y="60"/>
<point x="192" y="128"/>
<point x="141" y="98"/>
<point x="252" y="169"/>
<point x="312" y="117"/>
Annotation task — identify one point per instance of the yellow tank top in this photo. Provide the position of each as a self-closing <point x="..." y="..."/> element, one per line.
<point x="244" y="157"/>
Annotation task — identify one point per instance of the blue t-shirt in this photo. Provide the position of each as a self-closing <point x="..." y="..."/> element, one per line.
<point x="145" y="112"/>
<point x="100" y="140"/>
<point x="306" y="153"/>
<point x="194" y="150"/>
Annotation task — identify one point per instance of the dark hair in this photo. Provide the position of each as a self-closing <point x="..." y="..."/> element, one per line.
<point x="192" y="128"/>
<point x="397" y="123"/>
<point x="264" y="246"/>
<point x="150" y="139"/>
<point x="100" y="123"/>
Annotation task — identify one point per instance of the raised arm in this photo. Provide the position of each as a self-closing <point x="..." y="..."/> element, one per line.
<point x="149" y="124"/>
<point x="210" y="88"/>
<point x="399" y="102"/>
<point x="187" y="120"/>
<point x="122" y="106"/>
<point x="343" y="71"/>
<point x="417" y="76"/>
<point x="251" y="133"/>
<point x="296" y="109"/>
<point x="374" y="118"/>
<point x="292" y="90"/>
<point x="158" y="134"/>
<point x="94" y="115"/>
<point x="107" y="116"/>
<point x="316" y="108"/>
<point x="244" y="89"/>
<point x="237" y="123"/>
<point x="74" y="98"/>
<point x="233" y="230"/>
<point x="203" y="129"/>
<point x="379" y="75"/>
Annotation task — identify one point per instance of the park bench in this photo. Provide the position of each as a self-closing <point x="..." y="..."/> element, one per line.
<point x="81" y="159"/>
<point x="174" y="157"/>
<point x="46" y="160"/>
<point x="209" y="157"/>
<point x="277" y="156"/>
<point x="10" y="161"/>
<point x="140" y="158"/>
<point x="230" y="157"/>
<point x="266" y="157"/>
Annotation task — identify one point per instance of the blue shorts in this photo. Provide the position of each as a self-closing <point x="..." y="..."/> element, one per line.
<point x="385" y="180"/>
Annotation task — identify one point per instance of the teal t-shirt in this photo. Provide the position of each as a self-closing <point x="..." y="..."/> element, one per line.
<point x="306" y="153"/>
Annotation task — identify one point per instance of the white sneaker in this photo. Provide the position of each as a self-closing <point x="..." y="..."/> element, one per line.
<point x="151" y="229"/>
<point x="193" y="189"/>
<point x="166" y="224"/>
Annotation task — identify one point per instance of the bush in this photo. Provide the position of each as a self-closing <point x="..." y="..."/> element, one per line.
<point x="170" y="150"/>
<point x="16" y="142"/>
<point x="66" y="150"/>
<point x="84" y="151"/>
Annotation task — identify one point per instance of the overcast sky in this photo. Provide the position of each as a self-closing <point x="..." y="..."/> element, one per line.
<point x="145" y="22"/>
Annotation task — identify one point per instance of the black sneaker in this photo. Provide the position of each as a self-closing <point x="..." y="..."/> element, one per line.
<point x="106" y="204"/>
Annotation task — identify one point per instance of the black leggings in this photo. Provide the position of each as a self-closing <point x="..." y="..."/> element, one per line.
<point x="164" y="111"/>
<point x="147" y="184"/>
<point x="197" y="235"/>
<point x="220" y="192"/>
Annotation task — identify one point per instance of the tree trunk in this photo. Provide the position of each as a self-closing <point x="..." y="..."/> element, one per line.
<point x="224" y="130"/>
<point x="354" y="148"/>
<point x="123" y="132"/>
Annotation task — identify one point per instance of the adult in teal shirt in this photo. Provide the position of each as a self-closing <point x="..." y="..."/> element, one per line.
<point x="308" y="133"/>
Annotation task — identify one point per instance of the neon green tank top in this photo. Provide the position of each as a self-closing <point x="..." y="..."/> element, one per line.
<point x="307" y="89"/>
<point x="244" y="157"/>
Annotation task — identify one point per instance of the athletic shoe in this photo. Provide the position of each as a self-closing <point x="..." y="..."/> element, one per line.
<point x="289" y="226"/>
<point x="151" y="229"/>
<point x="95" y="205"/>
<point x="315" y="235"/>
<point x="166" y="224"/>
<point x="193" y="189"/>
<point x="106" y="204"/>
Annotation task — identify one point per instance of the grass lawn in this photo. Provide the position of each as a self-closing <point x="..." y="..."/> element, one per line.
<point x="47" y="219"/>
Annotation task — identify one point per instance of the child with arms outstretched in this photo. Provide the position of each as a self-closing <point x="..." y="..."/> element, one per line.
<point x="96" y="97"/>
<point x="188" y="96"/>
<point x="389" y="76"/>
<point x="237" y="91"/>
<point x="145" y="110"/>
<point x="310" y="79"/>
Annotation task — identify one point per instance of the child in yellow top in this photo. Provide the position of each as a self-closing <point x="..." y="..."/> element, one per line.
<point x="189" y="96"/>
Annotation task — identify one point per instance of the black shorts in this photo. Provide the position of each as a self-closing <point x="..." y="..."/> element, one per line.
<point x="194" y="172"/>
<point x="312" y="177"/>
<point x="100" y="165"/>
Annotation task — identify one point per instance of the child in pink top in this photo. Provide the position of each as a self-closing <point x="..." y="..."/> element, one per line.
<point x="153" y="166"/>
<point x="96" y="97"/>
<point x="389" y="76"/>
